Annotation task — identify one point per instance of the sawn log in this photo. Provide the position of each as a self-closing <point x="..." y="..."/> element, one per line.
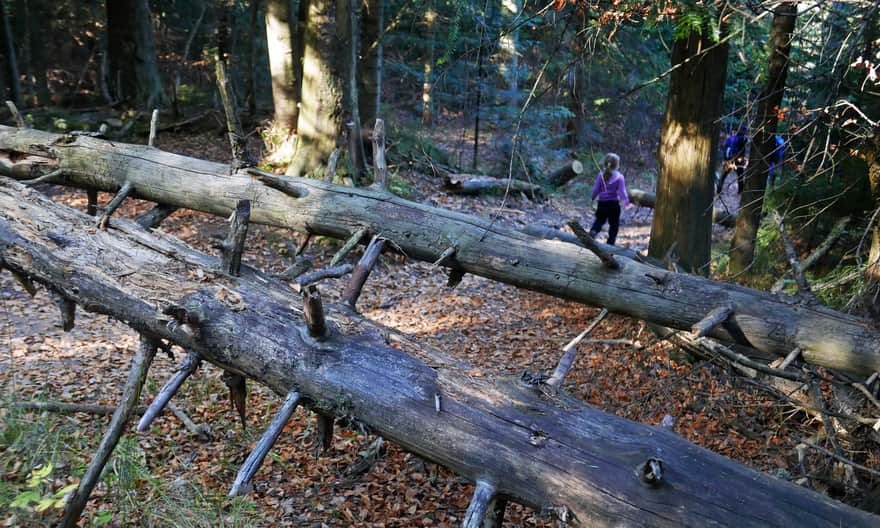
<point x="771" y="323"/>
<point x="515" y="437"/>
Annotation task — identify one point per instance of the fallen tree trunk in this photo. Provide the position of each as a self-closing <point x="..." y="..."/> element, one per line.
<point x="516" y="438"/>
<point x="566" y="173"/>
<point x="472" y="184"/>
<point x="769" y="323"/>
<point x="720" y="215"/>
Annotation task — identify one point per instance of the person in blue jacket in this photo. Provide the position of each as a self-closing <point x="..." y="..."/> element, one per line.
<point x="736" y="158"/>
<point x="776" y="159"/>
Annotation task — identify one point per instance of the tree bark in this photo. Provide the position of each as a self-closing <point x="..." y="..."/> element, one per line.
<point x="742" y="245"/>
<point x="770" y="323"/>
<point x="871" y="292"/>
<point x="281" y="63"/>
<point x="370" y="61"/>
<point x="428" y="68"/>
<point x="10" y="59"/>
<point x="553" y="454"/>
<point x="720" y="216"/>
<point x="323" y="90"/>
<point x="688" y="141"/>
<point x="133" y="67"/>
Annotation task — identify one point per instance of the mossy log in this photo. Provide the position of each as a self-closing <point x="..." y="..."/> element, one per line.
<point x="516" y="437"/>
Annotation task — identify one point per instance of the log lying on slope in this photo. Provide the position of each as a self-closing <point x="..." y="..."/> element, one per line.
<point x="475" y="184"/>
<point x="526" y="444"/>
<point x="720" y="215"/>
<point x="772" y="324"/>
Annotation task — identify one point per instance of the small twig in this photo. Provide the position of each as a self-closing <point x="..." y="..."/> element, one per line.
<point x="826" y="420"/>
<point x="803" y="285"/>
<point x="346" y="248"/>
<point x="790" y="358"/>
<point x="325" y="273"/>
<point x="51" y="177"/>
<point x="126" y="190"/>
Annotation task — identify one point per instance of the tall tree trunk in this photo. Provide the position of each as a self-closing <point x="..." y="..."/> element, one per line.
<point x="133" y="66"/>
<point x="38" y="26"/>
<point x="688" y="141"/>
<point x="428" y="75"/>
<point x="348" y="29"/>
<point x="14" y="83"/>
<point x="370" y="63"/>
<point x="508" y="52"/>
<point x="251" y="82"/>
<point x="279" y="41"/>
<point x="323" y="89"/>
<point x="742" y="250"/>
<point x="871" y="290"/>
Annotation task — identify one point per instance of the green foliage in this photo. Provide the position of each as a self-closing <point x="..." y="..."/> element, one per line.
<point x="698" y="20"/>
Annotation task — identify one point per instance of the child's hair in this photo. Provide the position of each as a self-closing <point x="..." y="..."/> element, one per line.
<point x="612" y="162"/>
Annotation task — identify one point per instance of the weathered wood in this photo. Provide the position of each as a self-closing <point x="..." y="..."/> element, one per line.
<point x="313" y="312"/>
<point x="324" y="432"/>
<point x="130" y="395"/>
<point x="124" y="192"/>
<point x="233" y="247"/>
<point x="769" y="323"/>
<point x="569" y="352"/>
<point x="470" y="184"/>
<point x="67" y="309"/>
<point x="324" y="273"/>
<point x="584" y="467"/>
<point x="590" y="243"/>
<point x="190" y="363"/>
<point x="714" y="318"/>
<point x="793" y="261"/>
<point x="484" y="494"/>
<point x="819" y="252"/>
<point x="270" y="436"/>
<point x="362" y="271"/>
<point x="51" y="177"/>
<point x="350" y="244"/>
<point x="155" y="216"/>
<point x="154" y="126"/>
<point x="237" y="385"/>
<point x="380" y="166"/>
<point x="720" y="215"/>
<point x="91" y="202"/>
<point x="566" y="173"/>
<point x="300" y="265"/>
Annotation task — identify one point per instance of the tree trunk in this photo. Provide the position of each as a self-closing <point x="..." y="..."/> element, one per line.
<point x="11" y="61"/>
<point x="251" y="82"/>
<point x="38" y="25"/>
<point x="133" y="66"/>
<point x="720" y="215"/>
<point x="370" y="61"/>
<point x="770" y="323"/>
<point x="554" y="454"/>
<point x="348" y="29"/>
<point x="871" y="290"/>
<point x="688" y="141"/>
<point x="323" y="89"/>
<point x="508" y="49"/>
<point x="742" y="246"/>
<point x="428" y="69"/>
<point x="281" y="64"/>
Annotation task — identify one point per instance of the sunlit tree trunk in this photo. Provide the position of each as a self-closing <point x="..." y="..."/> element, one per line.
<point x="10" y="59"/>
<point x="742" y="250"/>
<point x="688" y="140"/>
<point x="323" y="88"/>
<point x="281" y="63"/>
<point x="871" y="291"/>
<point x="133" y="67"/>
<point x="508" y="54"/>
<point x="370" y="64"/>
<point x="428" y="70"/>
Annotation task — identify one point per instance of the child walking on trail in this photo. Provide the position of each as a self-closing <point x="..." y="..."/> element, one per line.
<point x="610" y="188"/>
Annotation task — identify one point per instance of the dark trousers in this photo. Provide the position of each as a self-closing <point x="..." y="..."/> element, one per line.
<point x="607" y="211"/>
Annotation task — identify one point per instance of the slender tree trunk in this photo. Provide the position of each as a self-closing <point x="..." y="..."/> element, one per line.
<point x="279" y="41"/>
<point x="428" y="76"/>
<point x="11" y="60"/>
<point x="251" y="83"/>
<point x="348" y="29"/>
<point x="133" y="66"/>
<point x="742" y="250"/>
<point x="871" y="291"/>
<point x="688" y="140"/>
<point x="37" y="22"/>
<point x="323" y="89"/>
<point x="370" y="62"/>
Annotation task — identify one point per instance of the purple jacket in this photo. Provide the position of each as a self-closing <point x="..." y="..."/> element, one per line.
<point x="611" y="191"/>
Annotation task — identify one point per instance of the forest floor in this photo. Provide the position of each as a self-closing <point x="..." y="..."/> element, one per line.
<point x="169" y="478"/>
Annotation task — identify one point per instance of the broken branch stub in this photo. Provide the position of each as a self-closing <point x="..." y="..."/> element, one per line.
<point x="270" y="436"/>
<point x="233" y="247"/>
<point x="313" y="311"/>
<point x="590" y="243"/>
<point x="362" y="271"/>
<point x="714" y="318"/>
<point x="484" y="494"/>
<point x="124" y="192"/>
<point x="190" y="363"/>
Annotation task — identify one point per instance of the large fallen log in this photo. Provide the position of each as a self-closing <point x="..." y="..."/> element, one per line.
<point x="770" y="323"/>
<point x="517" y="438"/>
<point x="720" y="216"/>
<point x="471" y="184"/>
